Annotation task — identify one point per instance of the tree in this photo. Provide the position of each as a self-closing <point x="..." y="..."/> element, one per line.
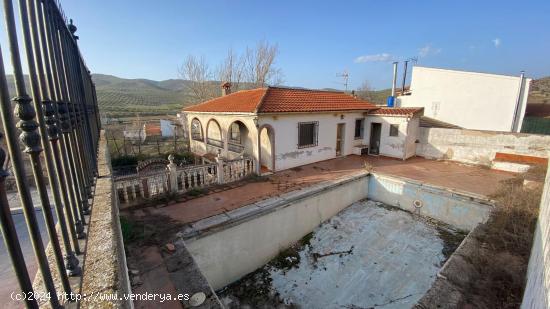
<point x="255" y="68"/>
<point x="259" y="65"/>
<point x="232" y="70"/>
<point x="198" y="74"/>
<point x="365" y="92"/>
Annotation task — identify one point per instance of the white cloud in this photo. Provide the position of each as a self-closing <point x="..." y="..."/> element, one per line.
<point x="383" y="57"/>
<point x="428" y="50"/>
<point x="496" y="42"/>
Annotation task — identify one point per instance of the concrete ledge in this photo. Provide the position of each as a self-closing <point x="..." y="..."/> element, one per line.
<point x="188" y="278"/>
<point x="237" y="216"/>
<point x="104" y="270"/>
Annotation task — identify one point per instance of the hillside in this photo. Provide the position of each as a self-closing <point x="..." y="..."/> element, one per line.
<point x="126" y="97"/>
<point x="120" y="96"/>
<point x="539" y="92"/>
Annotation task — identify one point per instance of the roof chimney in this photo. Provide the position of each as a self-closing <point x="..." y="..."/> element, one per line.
<point x="226" y="88"/>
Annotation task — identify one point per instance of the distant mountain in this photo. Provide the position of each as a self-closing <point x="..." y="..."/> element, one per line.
<point x="539" y="92"/>
<point x="125" y="97"/>
<point x="121" y="96"/>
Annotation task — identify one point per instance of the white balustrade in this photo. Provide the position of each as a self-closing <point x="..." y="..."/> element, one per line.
<point x="178" y="180"/>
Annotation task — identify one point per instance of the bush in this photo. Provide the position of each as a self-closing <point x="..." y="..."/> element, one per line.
<point x="133" y="160"/>
<point x="131" y="231"/>
<point x="506" y="240"/>
<point x="128" y="160"/>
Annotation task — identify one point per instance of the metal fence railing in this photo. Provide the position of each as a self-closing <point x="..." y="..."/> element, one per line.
<point x="59" y="121"/>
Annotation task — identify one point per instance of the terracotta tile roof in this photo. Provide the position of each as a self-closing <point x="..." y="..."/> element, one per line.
<point x="244" y="101"/>
<point x="303" y="100"/>
<point x="152" y="129"/>
<point x="282" y="100"/>
<point x="397" y="111"/>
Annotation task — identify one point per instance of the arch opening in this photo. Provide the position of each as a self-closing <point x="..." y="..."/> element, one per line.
<point x="238" y="138"/>
<point x="214" y="134"/>
<point x="267" y="149"/>
<point x="196" y="130"/>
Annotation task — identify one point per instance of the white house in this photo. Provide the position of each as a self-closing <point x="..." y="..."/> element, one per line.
<point x="282" y="128"/>
<point x="470" y="100"/>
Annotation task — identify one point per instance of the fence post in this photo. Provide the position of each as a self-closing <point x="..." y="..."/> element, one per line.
<point x="172" y="169"/>
<point x="220" y="173"/>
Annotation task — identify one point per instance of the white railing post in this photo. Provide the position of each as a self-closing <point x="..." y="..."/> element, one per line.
<point x="172" y="169"/>
<point x="219" y="161"/>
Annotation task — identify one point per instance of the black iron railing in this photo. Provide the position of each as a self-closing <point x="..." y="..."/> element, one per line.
<point x="58" y="120"/>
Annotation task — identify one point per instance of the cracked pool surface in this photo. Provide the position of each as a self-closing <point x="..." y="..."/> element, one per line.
<point x="367" y="256"/>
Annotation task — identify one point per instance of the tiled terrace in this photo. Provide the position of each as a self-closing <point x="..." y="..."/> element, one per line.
<point x="452" y="175"/>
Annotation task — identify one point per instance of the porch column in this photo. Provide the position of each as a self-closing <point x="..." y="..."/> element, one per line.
<point x="219" y="167"/>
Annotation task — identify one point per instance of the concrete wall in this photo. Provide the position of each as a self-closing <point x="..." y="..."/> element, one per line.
<point x="537" y="290"/>
<point x="478" y="147"/>
<point x="105" y="269"/>
<point x="471" y="100"/>
<point x="227" y="255"/>
<point x="463" y="211"/>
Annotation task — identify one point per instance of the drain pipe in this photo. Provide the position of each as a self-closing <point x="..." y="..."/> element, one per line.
<point x="518" y="100"/>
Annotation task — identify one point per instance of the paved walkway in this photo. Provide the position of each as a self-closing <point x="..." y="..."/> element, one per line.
<point x="473" y="179"/>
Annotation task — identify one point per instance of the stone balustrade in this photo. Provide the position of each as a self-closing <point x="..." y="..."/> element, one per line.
<point x="174" y="180"/>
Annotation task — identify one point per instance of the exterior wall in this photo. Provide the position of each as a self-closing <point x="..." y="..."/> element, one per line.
<point x="392" y="146"/>
<point x="285" y="126"/>
<point x="227" y="255"/>
<point x="471" y="100"/>
<point x="224" y="120"/>
<point x="463" y="211"/>
<point x="537" y="290"/>
<point x="478" y="147"/>
<point x="287" y="154"/>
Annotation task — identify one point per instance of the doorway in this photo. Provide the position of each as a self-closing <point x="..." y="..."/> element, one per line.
<point x="340" y="129"/>
<point x="374" y="145"/>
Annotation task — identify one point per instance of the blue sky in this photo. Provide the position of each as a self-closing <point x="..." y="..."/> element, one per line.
<point x="316" y="39"/>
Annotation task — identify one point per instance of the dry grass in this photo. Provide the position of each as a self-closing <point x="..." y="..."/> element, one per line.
<point x="502" y="259"/>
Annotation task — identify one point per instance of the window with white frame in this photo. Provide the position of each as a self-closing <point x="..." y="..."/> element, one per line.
<point x="359" y="128"/>
<point x="307" y="134"/>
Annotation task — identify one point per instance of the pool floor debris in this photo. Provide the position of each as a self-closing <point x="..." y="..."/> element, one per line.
<point x="367" y="256"/>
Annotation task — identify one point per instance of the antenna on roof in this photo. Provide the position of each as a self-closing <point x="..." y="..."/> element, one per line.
<point x="345" y="77"/>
